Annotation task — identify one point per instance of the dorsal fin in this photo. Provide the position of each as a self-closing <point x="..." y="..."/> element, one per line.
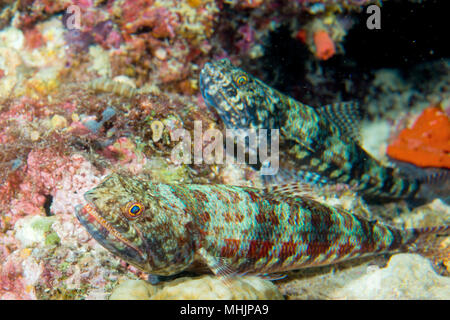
<point x="284" y="176"/>
<point x="344" y="115"/>
<point x="291" y="191"/>
<point x="304" y="190"/>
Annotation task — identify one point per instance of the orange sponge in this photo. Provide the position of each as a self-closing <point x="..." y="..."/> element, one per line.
<point x="426" y="143"/>
<point x="325" y="48"/>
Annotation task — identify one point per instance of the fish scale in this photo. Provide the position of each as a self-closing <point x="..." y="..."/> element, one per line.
<point x="230" y="229"/>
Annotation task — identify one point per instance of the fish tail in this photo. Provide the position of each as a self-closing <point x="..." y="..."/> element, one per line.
<point x="432" y="243"/>
<point x="420" y="238"/>
<point x="385" y="238"/>
<point x="420" y="185"/>
<point x="378" y="184"/>
<point x="435" y="184"/>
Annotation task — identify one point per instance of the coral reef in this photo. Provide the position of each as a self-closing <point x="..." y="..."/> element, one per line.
<point x="32" y="61"/>
<point x="77" y="103"/>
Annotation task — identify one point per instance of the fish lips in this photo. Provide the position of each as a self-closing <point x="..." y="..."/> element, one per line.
<point x="129" y="253"/>
<point x="214" y="97"/>
<point x="205" y="81"/>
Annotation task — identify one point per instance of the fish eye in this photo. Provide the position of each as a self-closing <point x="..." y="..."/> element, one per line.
<point x="241" y="80"/>
<point x="134" y="210"/>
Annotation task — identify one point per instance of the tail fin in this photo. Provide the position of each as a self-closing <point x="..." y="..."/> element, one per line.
<point x="436" y="185"/>
<point x="434" y="182"/>
<point x="432" y="243"/>
<point x="423" y="234"/>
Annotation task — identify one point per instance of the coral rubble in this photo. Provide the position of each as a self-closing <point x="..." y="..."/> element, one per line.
<point x="406" y="276"/>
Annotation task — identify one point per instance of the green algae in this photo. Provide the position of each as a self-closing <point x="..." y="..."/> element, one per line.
<point x="52" y="239"/>
<point x="42" y="224"/>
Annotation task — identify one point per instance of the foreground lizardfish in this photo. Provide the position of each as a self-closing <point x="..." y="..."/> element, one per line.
<point x="319" y="144"/>
<point x="164" y="229"/>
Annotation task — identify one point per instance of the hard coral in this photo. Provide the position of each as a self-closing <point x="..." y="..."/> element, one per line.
<point x="202" y="288"/>
<point x="407" y="276"/>
<point x="32" y="11"/>
<point x="48" y="173"/>
<point x="138" y="15"/>
<point x="102" y="33"/>
<point x="426" y="143"/>
<point x="14" y="283"/>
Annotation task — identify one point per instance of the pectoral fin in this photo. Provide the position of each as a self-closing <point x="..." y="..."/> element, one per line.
<point x="219" y="266"/>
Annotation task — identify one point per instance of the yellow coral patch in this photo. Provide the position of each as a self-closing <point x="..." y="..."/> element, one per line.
<point x="24" y="253"/>
<point x="58" y="122"/>
<point x="194" y="3"/>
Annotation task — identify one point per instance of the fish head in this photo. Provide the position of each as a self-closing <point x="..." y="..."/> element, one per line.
<point x="233" y="93"/>
<point x="118" y="214"/>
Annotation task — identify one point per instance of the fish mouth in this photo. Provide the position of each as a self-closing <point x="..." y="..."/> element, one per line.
<point x="102" y="231"/>
<point x="214" y="96"/>
<point x="206" y="80"/>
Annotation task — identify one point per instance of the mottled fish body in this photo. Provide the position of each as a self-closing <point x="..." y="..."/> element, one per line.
<point x="164" y="229"/>
<point x="319" y="144"/>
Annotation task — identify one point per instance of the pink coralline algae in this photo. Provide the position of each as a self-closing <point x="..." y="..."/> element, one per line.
<point x="81" y="177"/>
<point x="49" y="174"/>
<point x="41" y="270"/>
<point x="103" y="33"/>
<point x="33" y="38"/>
<point x="13" y="281"/>
<point x="138" y="15"/>
<point x="124" y="150"/>
<point x="248" y="38"/>
<point x="23" y="273"/>
<point x="33" y="11"/>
